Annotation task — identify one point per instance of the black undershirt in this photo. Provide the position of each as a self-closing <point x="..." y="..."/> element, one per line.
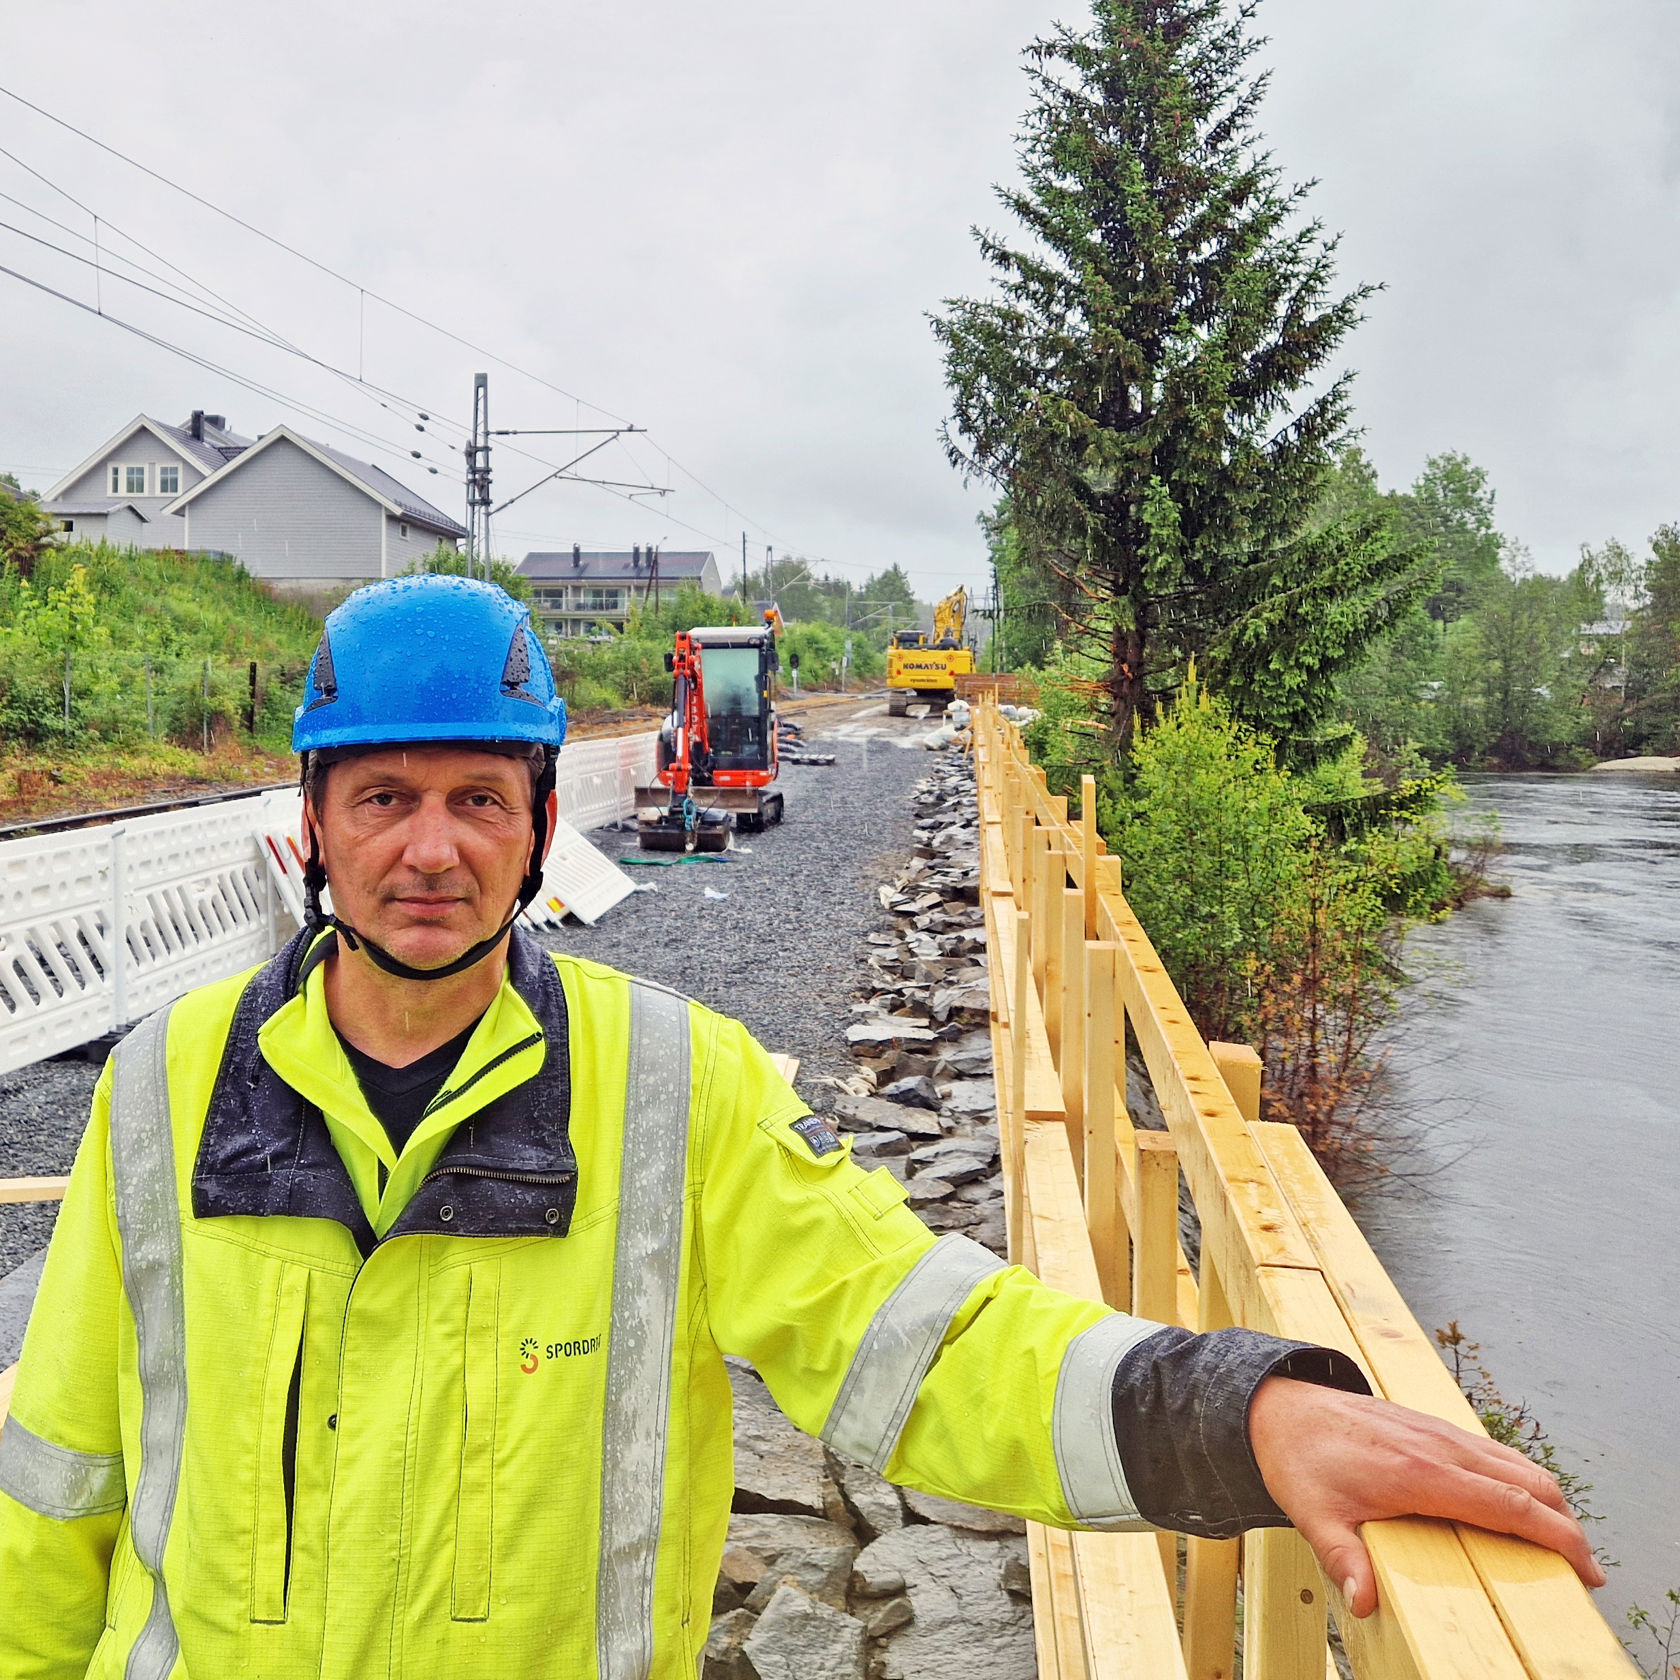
<point x="400" y="1096"/>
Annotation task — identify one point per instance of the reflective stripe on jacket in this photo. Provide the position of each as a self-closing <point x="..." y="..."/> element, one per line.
<point x="293" y="1405"/>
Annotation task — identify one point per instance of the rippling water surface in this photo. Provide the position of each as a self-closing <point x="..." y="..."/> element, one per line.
<point x="1540" y="1057"/>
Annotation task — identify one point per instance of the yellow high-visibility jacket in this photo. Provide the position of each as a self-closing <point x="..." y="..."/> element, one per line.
<point x="292" y="1405"/>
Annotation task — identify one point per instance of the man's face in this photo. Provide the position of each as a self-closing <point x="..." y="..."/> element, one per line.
<point x="425" y="846"/>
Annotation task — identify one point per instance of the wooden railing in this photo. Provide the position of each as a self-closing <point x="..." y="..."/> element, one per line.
<point x="1092" y="1206"/>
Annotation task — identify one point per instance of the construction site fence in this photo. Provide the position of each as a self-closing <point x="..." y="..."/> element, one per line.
<point x="1092" y="1202"/>
<point x="99" y="926"/>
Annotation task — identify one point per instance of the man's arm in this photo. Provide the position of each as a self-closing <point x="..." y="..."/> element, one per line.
<point x="62" y="1487"/>
<point x="1333" y="1461"/>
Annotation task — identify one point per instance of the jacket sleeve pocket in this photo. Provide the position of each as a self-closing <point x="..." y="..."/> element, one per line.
<point x="475" y="1512"/>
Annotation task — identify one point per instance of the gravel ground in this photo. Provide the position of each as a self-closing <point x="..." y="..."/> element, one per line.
<point x="783" y="952"/>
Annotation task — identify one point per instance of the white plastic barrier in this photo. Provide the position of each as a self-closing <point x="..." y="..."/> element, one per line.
<point x="100" y="926"/>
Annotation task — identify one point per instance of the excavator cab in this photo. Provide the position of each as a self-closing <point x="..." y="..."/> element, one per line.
<point x="717" y="752"/>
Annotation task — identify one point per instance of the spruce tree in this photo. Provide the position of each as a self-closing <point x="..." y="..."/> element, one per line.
<point x="1151" y="388"/>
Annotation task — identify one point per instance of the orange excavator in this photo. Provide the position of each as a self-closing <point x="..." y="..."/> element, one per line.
<point x="717" y="752"/>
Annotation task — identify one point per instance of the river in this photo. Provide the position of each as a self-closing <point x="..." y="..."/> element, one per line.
<point x="1540" y="1059"/>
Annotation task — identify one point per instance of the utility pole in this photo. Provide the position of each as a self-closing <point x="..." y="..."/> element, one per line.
<point x="743" y="573"/>
<point x="478" y="478"/>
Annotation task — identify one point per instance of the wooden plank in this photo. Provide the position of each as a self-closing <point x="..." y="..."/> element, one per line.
<point x="1014" y="1142"/>
<point x="33" y="1189"/>
<point x="1284" y="1610"/>
<point x="1549" y="1615"/>
<point x="1210" y="1608"/>
<point x="1053" y="890"/>
<point x="1044" y="1086"/>
<point x="1102" y="1194"/>
<point x="1043" y="1600"/>
<point x="786" y="1066"/>
<point x="1088" y="844"/>
<point x="1071" y="1062"/>
<point x="1130" y="1632"/>
<point x="1239" y="1066"/>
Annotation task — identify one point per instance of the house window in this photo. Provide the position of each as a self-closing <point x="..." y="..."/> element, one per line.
<point x="169" y="481"/>
<point x="134" y="481"/>
<point x="603" y="600"/>
<point x="67" y="524"/>
<point x="402" y="531"/>
<point x="116" y="481"/>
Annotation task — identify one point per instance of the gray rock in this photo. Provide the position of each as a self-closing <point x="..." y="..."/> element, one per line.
<point x="873" y="1578"/>
<point x="777" y="1467"/>
<point x="768" y="1537"/>
<point x="799" y="1638"/>
<point x="722" y="1659"/>
<point x="971" y="1004"/>
<point x="824" y="1574"/>
<point x="936" y="1510"/>
<point x="957" y="1160"/>
<point x="971" y="1096"/>
<point x="929" y="1188"/>
<point x="966" y="1623"/>
<point x="888" y="1617"/>
<point x="875" y="1038"/>
<point x="871" y="1499"/>
<point x="949" y="1215"/>
<point x="916" y="1092"/>
<point x="873" y="1146"/>
<point x="1017" y="1578"/>
<point x="875" y="1114"/>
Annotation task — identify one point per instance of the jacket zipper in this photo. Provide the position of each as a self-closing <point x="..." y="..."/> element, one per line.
<point x="510" y="1177"/>
<point x="288" y="1462"/>
<point x="445" y="1097"/>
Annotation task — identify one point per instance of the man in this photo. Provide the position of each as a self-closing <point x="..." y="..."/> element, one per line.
<point x="382" y="1331"/>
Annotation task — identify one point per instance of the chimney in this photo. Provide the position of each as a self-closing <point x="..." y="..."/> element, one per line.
<point x="577" y="556"/>
<point x="196" y="425"/>
<point x="636" y="558"/>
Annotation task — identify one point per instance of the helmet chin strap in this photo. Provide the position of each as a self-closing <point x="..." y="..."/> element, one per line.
<point x="315" y="879"/>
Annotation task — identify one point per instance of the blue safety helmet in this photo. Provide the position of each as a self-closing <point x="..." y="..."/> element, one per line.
<point x="428" y="658"/>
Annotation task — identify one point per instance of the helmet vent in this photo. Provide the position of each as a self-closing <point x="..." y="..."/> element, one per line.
<point x="516" y="673"/>
<point x="323" y="675"/>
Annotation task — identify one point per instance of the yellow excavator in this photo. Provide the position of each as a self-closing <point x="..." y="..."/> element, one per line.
<point x="924" y="667"/>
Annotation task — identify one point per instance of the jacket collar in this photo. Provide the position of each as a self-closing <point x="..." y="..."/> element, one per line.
<point x="492" y="1158"/>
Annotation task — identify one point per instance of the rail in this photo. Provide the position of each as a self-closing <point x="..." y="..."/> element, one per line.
<point x="1092" y="1206"/>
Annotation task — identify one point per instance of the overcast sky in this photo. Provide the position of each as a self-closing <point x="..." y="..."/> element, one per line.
<point x="726" y="223"/>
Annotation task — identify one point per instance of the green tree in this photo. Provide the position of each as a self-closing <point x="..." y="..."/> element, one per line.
<point x="1449" y="513"/>
<point x="1152" y="386"/>
<point x="452" y="562"/>
<point x="1030" y="618"/>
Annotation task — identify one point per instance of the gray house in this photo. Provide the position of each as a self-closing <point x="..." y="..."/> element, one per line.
<point x="121" y="493"/>
<point x="589" y="589"/>
<point x="306" y="518"/>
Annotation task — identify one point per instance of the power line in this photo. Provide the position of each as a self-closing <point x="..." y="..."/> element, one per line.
<point x="366" y="292"/>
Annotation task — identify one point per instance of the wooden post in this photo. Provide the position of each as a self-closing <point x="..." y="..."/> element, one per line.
<point x="1088" y="837"/>
<point x="1015" y="1137"/>
<point x="1021" y="879"/>
<point x="1240" y="1068"/>
<point x="1155" y="1237"/>
<point x="1045" y="861"/>
<point x="1049" y="910"/>
<point x="1210" y="1566"/>
<point x="1284" y="1622"/>
<point x="1071" y="1062"/>
<point x="1102" y="1193"/>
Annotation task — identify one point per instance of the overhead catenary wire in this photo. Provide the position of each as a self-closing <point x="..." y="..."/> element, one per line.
<point x="624" y="492"/>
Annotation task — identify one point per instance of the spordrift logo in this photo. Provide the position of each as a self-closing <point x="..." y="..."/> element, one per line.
<point x="528" y="1355"/>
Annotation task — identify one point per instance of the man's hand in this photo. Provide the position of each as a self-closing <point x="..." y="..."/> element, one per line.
<point x="1333" y="1461"/>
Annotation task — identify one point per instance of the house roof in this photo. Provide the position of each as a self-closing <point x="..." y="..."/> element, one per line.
<point x="91" y="505"/>
<point x="213" y="453"/>
<point x="615" y="565"/>
<point x="395" y="498"/>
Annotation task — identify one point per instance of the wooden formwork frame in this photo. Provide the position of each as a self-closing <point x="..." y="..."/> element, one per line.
<point x="1092" y="1207"/>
